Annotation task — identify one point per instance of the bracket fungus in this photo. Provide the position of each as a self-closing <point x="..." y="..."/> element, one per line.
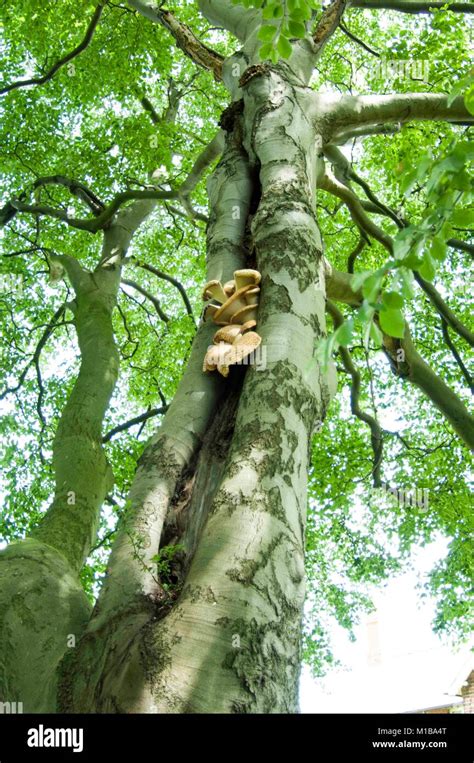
<point x="236" y="314"/>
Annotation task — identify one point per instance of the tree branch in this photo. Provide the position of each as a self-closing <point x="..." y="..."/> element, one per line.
<point x="184" y="37"/>
<point x="170" y="279"/>
<point x="360" y="246"/>
<point x="77" y="189"/>
<point x="137" y="420"/>
<point x="62" y="61"/>
<point x="344" y="173"/>
<point x="104" y="214"/>
<point x="37" y="353"/>
<point x="456" y="355"/>
<point x="376" y="206"/>
<point x="356" y="39"/>
<point x="338" y="287"/>
<point x="213" y="149"/>
<point x="154" y="300"/>
<point x="354" y="110"/>
<point x="375" y="428"/>
<point x="328" y="24"/>
<point x="463" y="246"/>
<point x="361" y="132"/>
<point x="415" y="369"/>
<point x="361" y="219"/>
<point x="411" y="6"/>
<point x="224" y="14"/>
<point x="357" y="212"/>
<point x="442" y="308"/>
<point x="169" y="114"/>
<point x="92" y="224"/>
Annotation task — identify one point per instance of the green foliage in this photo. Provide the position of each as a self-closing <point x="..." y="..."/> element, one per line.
<point x="283" y="21"/>
<point x="87" y="122"/>
<point x="436" y="202"/>
<point x="163" y="561"/>
<point x="422" y="246"/>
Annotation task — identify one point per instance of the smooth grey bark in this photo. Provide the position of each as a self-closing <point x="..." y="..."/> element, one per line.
<point x="232" y="641"/>
<point x="351" y="111"/>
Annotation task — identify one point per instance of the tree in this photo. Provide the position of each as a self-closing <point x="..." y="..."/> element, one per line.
<point x="201" y="603"/>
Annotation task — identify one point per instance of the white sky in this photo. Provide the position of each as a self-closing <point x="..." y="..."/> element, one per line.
<point x="416" y="668"/>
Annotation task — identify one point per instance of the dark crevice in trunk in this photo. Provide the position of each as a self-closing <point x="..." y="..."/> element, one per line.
<point x="256" y="188"/>
<point x="251" y="256"/>
<point x="199" y="483"/>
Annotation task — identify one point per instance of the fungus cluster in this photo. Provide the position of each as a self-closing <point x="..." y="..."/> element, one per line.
<point x="233" y="306"/>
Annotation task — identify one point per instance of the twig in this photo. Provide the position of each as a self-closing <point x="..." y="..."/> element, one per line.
<point x="456" y="355"/>
<point x="52" y="325"/>
<point x="358" y="40"/>
<point x="154" y="300"/>
<point x="170" y="279"/>
<point x="137" y="420"/>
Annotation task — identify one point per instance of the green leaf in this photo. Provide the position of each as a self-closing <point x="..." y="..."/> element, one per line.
<point x="284" y="47"/>
<point x="438" y="249"/>
<point x="459" y="88"/>
<point x="365" y="312"/>
<point x="375" y="334"/>
<point x="296" y="29"/>
<point x="267" y="33"/>
<point x="345" y="332"/>
<point x="469" y="100"/>
<point x="267" y="12"/>
<point x="408" y="181"/>
<point x="392" y="299"/>
<point x="463" y="217"/>
<point x="274" y="55"/>
<point x="462" y="181"/>
<point x="392" y="323"/>
<point x="427" y="268"/>
<point x="358" y="279"/>
<point x="412" y="261"/>
<point x="404" y="242"/>
<point x="302" y="14"/>
<point x="407" y="279"/>
<point x="266" y="50"/>
<point x="325" y="349"/>
<point x="371" y="287"/>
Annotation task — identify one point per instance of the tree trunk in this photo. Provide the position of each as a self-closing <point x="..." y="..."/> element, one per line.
<point x="41" y="618"/>
<point x="42" y="603"/>
<point x="223" y="483"/>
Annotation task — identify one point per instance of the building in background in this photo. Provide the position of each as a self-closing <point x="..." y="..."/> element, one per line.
<point x="396" y="665"/>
